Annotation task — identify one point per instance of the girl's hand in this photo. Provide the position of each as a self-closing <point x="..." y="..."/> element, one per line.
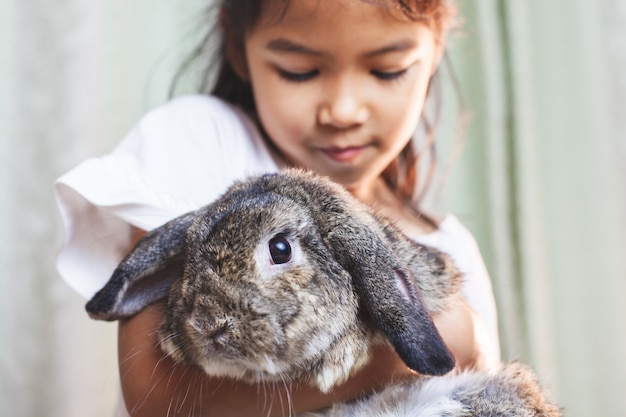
<point x="459" y="328"/>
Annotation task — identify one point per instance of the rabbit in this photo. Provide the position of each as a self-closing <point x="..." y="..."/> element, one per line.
<point x="288" y="276"/>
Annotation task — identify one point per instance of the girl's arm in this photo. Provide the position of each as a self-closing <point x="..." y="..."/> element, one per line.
<point x="153" y="385"/>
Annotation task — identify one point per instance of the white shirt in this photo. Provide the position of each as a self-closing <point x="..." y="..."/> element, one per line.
<point x="178" y="158"/>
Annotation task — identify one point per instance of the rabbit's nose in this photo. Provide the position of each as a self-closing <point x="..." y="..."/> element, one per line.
<point x="216" y="333"/>
<point x="211" y="331"/>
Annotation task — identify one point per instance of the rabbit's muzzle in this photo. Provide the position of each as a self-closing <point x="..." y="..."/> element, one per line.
<point x="211" y="336"/>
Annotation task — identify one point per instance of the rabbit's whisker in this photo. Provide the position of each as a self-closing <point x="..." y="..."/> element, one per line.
<point x="200" y="396"/>
<point x="167" y="338"/>
<point x="169" y="407"/>
<point x="163" y="358"/>
<point x="266" y="406"/>
<point x="268" y="397"/>
<point x="128" y="358"/>
<point x="182" y="401"/>
<point x="146" y="396"/>
<point x="287" y="386"/>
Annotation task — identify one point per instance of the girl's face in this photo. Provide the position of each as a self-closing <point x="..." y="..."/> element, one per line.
<point x="339" y="85"/>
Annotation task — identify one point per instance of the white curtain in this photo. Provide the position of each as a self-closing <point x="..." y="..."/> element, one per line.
<point x="540" y="181"/>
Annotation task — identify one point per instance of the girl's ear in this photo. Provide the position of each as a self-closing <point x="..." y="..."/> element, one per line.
<point x="234" y="48"/>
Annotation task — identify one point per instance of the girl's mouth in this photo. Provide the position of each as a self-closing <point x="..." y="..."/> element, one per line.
<point x="344" y="154"/>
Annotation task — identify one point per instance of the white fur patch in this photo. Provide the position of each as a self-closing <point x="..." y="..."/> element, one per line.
<point x="434" y="398"/>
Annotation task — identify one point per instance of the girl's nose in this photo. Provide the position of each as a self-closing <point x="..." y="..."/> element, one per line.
<point x="344" y="109"/>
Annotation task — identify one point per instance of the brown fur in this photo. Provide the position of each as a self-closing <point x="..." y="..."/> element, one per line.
<point x="351" y="279"/>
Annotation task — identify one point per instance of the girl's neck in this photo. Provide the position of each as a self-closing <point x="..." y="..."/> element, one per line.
<point x="384" y="201"/>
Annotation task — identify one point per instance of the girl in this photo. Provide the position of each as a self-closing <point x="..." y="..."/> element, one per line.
<point x="335" y="86"/>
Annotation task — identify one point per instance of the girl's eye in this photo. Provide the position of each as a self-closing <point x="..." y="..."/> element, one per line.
<point x="389" y="76"/>
<point x="297" y="77"/>
<point x="280" y="249"/>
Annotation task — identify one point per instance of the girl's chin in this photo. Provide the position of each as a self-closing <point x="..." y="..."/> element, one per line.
<point x="358" y="184"/>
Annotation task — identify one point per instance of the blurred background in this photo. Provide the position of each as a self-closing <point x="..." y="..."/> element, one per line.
<point x="540" y="180"/>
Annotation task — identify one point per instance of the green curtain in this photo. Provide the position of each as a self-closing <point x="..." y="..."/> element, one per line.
<point x="541" y="184"/>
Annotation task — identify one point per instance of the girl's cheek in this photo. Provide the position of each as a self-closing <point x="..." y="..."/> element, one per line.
<point x="282" y="122"/>
<point x="295" y="106"/>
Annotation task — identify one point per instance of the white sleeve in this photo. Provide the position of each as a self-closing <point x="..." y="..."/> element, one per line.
<point x="177" y="158"/>
<point x="455" y="240"/>
<point x="478" y="290"/>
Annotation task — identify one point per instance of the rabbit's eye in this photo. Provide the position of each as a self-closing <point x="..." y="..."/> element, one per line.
<point x="280" y="249"/>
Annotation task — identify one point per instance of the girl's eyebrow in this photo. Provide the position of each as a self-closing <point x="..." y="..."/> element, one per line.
<point x="398" y="46"/>
<point x="286" y="45"/>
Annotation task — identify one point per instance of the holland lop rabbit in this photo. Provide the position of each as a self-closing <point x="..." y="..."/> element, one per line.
<point x="287" y="276"/>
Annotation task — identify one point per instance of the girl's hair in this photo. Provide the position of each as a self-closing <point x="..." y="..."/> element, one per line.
<point x="238" y="17"/>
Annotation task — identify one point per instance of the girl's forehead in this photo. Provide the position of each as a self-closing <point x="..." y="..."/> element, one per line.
<point x="314" y="18"/>
<point x="276" y="11"/>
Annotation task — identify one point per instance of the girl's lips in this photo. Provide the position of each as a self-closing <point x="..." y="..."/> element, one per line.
<point x="344" y="154"/>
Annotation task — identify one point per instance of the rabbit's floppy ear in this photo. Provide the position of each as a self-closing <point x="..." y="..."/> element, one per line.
<point x="146" y="273"/>
<point x="388" y="295"/>
<point x="357" y="241"/>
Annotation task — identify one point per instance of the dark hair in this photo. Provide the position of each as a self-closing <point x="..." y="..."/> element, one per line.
<point x="238" y="17"/>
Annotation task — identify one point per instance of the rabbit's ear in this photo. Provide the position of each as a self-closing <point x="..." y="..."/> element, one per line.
<point x="146" y="273"/>
<point x="389" y="296"/>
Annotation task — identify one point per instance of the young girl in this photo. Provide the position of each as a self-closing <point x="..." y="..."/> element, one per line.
<point x="335" y="86"/>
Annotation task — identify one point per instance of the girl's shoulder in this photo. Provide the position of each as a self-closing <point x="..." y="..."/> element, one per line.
<point x="189" y="107"/>
<point x="455" y="239"/>
<point x="179" y="156"/>
<point x="449" y="228"/>
<point x="195" y="119"/>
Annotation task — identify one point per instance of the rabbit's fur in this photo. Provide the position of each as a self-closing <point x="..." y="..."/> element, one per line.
<point x="287" y="276"/>
<point x="510" y="391"/>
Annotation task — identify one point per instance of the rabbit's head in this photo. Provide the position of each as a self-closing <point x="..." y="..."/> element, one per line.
<point x="285" y="275"/>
